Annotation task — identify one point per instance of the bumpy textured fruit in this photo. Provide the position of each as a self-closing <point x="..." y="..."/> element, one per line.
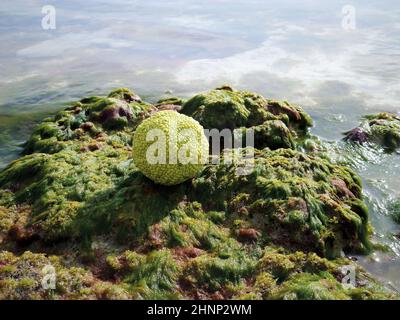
<point x="170" y="148"/>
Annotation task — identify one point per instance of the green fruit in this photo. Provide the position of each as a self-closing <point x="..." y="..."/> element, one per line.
<point x="170" y="148"/>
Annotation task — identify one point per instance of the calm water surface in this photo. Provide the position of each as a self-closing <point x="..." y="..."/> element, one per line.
<point x="293" y="50"/>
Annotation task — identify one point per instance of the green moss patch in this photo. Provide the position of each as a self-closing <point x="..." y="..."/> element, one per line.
<point x="276" y="124"/>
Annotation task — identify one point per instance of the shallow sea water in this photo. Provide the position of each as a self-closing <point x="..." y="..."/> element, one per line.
<point x="292" y="50"/>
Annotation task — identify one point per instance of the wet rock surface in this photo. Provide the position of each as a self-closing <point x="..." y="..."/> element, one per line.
<point x="382" y="129"/>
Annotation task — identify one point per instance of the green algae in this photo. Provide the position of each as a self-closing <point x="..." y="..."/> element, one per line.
<point x="273" y="134"/>
<point x="385" y="129"/>
<point x="324" y="286"/>
<point x="306" y="276"/>
<point x="171" y="101"/>
<point x="213" y="272"/>
<point x="21" y="277"/>
<point x="89" y="119"/>
<point x="296" y="198"/>
<point x="394" y="210"/>
<point x="310" y="287"/>
<point x="199" y="231"/>
<point x="276" y="124"/>
<point x="151" y="276"/>
<point x="57" y="185"/>
<point x="276" y="233"/>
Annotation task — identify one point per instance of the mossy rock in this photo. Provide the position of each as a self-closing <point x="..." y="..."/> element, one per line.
<point x="277" y="124"/>
<point x="30" y="276"/>
<point x="55" y="186"/>
<point x="382" y="129"/>
<point x="293" y="199"/>
<point x="147" y="276"/>
<point x="394" y="210"/>
<point x="304" y="201"/>
<point x="266" y="234"/>
<point x="306" y="276"/>
<point x="91" y="119"/>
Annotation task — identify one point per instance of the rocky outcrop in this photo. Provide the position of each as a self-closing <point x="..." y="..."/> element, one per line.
<point x="278" y="232"/>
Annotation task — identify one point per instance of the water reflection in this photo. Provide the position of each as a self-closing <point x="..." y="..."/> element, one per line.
<point x="285" y="49"/>
<point x="293" y="50"/>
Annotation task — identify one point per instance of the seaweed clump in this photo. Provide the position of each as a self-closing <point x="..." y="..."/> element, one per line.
<point x="36" y="276"/>
<point x="277" y="124"/>
<point x="290" y="198"/>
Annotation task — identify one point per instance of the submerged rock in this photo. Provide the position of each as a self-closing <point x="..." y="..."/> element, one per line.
<point x="277" y="232"/>
<point x="382" y="129"/>
<point x="357" y="135"/>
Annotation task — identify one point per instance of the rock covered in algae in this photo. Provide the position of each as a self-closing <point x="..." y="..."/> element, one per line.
<point x="177" y="145"/>
<point x="277" y="123"/>
<point x="24" y="277"/>
<point x="77" y="199"/>
<point x="382" y="129"/>
<point x="89" y="120"/>
<point x="394" y="210"/>
<point x="291" y="197"/>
